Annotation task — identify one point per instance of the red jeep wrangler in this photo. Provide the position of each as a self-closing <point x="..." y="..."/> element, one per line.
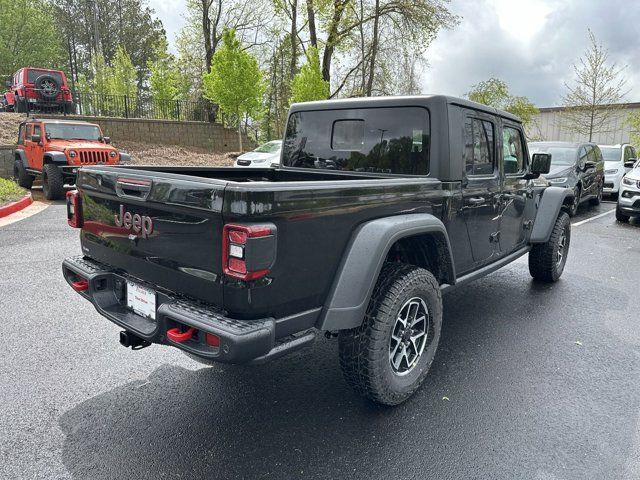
<point x="32" y="89"/>
<point x="55" y="149"/>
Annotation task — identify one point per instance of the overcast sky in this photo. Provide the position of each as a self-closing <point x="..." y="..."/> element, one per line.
<point x="530" y="44"/>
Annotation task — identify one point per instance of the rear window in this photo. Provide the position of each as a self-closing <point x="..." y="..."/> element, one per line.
<point x="32" y="75"/>
<point x="390" y="140"/>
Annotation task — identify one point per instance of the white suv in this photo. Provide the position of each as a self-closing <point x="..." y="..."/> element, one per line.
<point x="615" y="157"/>
<point x="629" y="198"/>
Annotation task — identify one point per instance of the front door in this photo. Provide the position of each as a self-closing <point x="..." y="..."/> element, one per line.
<point x="481" y="187"/>
<point x="515" y="189"/>
<point x="37" y="149"/>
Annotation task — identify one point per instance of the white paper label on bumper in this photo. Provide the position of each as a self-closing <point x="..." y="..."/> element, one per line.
<point x="141" y="300"/>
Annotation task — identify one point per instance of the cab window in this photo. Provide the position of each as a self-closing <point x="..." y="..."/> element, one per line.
<point x="582" y="157"/>
<point x="512" y="151"/>
<point x="36" y="131"/>
<point x="479" y="152"/>
<point x="29" y="131"/>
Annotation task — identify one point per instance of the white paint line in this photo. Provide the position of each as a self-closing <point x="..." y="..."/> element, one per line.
<point x="35" y="207"/>
<point x="582" y="222"/>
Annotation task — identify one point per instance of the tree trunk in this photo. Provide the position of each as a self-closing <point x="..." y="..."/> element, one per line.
<point x="311" y="16"/>
<point x="206" y="35"/>
<point x="374" y="49"/>
<point x="239" y="132"/>
<point x="332" y="38"/>
<point x="294" y="36"/>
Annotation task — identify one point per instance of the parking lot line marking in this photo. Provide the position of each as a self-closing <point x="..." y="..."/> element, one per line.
<point x="582" y="222"/>
<point x="35" y="207"/>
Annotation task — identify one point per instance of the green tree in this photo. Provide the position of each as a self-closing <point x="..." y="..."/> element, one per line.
<point x="633" y="121"/>
<point x="495" y="93"/>
<point x="163" y="80"/>
<point x="123" y="75"/>
<point x="308" y="84"/>
<point x="28" y="36"/>
<point x="235" y="81"/>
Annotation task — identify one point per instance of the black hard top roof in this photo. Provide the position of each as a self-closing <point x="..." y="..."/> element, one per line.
<point x="396" y="101"/>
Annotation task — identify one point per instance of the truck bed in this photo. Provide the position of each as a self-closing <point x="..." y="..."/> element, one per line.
<point x="314" y="213"/>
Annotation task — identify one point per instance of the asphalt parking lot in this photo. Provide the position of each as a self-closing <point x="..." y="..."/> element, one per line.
<point x="530" y="382"/>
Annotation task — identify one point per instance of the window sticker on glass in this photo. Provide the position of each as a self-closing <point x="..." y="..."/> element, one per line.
<point x="348" y="135"/>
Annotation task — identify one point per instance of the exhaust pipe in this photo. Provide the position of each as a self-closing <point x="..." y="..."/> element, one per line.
<point x="128" y="339"/>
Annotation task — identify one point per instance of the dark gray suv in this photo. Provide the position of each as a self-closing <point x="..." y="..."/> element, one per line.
<point x="579" y="166"/>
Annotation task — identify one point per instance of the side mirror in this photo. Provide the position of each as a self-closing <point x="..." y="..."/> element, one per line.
<point x="35" y="138"/>
<point x="630" y="163"/>
<point x="540" y="163"/>
<point x="106" y="140"/>
<point x="7" y="84"/>
<point x="589" y="164"/>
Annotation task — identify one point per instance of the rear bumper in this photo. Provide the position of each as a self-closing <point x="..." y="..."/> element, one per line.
<point x="241" y="341"/>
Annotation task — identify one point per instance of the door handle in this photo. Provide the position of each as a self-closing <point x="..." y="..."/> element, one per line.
<point x="476" y="200"/>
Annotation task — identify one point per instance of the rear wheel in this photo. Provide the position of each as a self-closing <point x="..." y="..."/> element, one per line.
<point x="52" y="182"/>
<point x="388" y="356"/>
<point x="21" y="175"/>
<point x="621" y="217"/>
<point x="598" y="197"/>
<point x="547" y="260"/>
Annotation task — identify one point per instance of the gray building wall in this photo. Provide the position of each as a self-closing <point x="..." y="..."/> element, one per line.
<point x="547" y="125"/>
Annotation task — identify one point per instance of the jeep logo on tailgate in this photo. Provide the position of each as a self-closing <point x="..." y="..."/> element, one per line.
<point x="136" y="222"/>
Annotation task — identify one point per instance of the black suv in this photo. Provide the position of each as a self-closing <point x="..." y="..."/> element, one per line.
<point x="379" y="206"/>
<point x="578" y="166"/>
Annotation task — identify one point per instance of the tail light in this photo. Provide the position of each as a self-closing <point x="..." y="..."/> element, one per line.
<point x="74" y="209"/>
<point x="248" y="251"/>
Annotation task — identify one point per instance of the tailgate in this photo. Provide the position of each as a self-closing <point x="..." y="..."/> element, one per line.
<point x="163" y="228"/>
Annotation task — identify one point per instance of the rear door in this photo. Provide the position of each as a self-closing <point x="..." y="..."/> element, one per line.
<point x="178" y="243"/>
<point x="481" y="186"/>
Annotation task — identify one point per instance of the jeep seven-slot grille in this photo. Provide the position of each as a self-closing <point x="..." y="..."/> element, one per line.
<point x="90" y="157"/>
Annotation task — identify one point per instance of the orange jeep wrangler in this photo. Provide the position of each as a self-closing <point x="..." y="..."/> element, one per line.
<point x="54" y="150"/>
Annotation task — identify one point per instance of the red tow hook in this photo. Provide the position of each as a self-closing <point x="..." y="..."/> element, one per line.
<point x="175" y="335"/>
<point x="80" y="285"/>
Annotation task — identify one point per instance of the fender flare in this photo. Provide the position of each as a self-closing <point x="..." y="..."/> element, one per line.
<point x="55" y="157"/>
<point x="549" y="207"/>
<point x="362" y="261"/>
<point x="22" y="157"/>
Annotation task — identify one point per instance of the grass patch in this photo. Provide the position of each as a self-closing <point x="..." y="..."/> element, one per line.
<point x="10" y="191"/>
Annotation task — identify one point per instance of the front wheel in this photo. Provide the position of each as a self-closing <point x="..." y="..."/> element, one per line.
<point x="388" y="356"/>
<point x="621" y="217"/>
<point x="573" y="208"/>
<point x="52" y="182"/>
<point x="547" y="260"/>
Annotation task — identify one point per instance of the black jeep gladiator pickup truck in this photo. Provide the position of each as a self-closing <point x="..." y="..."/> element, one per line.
<point x="379" y="206"/>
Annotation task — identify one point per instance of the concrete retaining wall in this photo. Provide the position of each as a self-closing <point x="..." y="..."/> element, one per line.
<point x="6" y="161"/>
<point x="211" y="136"/>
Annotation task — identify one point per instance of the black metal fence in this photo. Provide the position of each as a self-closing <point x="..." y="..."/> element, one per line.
<point x="125" y="106"/>
<point x="92" y="104"/>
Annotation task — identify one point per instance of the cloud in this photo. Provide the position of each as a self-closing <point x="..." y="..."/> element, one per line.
<point x="171" y="13"/>
<point x="535" y="59"/>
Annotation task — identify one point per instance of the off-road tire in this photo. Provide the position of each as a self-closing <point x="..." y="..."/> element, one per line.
<point x="543" y="257"/>
<point x="621" y="217"/>
<point x="598" y="198"/>
<point x="20" y="105"/>
<point x="365" y="350"/>
<point x="52" y="182"/>
<point x="21" y="175"/>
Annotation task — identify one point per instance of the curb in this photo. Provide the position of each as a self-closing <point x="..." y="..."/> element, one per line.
<point x="16" y="206"/>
